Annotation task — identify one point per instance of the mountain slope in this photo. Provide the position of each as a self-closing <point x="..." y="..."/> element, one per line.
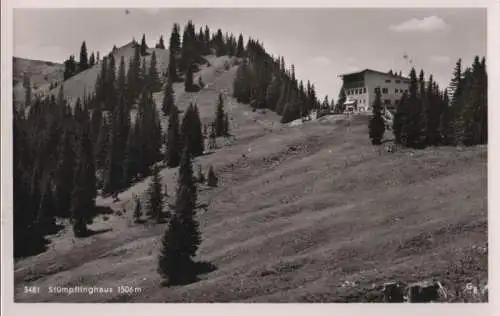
<point x="298" y="212"/>
<point x="41" y="74"/>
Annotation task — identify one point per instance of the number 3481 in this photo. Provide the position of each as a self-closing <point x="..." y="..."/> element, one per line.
<point x="31" y="290"/>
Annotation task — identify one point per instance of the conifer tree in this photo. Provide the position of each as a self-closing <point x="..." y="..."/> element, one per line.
<point x="206" y="39"/>
<point x="168" y="98"/>
<point x="240" y="50"/>
<point x="130" y="167"/>
<point x="137" y="210"/>
<point x="175" y="40"/>
<point x="185" y="203"/>
<point x="161" y="44"/>
<point x="400" y="119"/>
<point x="121" y="82"/>
<point x="226" y="125"/>
<point x="198" y="143"/>
<point x="92" y="60"/>
<point x="212" y="179"/>
<point x="446" y="124"/>
<point x="102" y="144"/>
<point x="219" y="117"/>
<point x="154" y="76"/>
<point x="377" y="124"/>
<point x="84" y="191"/>
<point x="201" y="176"/>
<point x="412" y="128"/>
<point x="182" y="238"/>
<point x="172" y="68"/>
<point x="433" y="114"/>
<point x="84" y="63"/>
<point x="173" y="259"/>
<point x="144" y="47"/>
<point x="27" y="87"/>
<point x="188" y="82"/>
<point x="64" y="176"/>
<point x="155" y="196"/>
<point x="456" y="104"/>
<point x="173" y="150"/>
<point x="117" y="144"/>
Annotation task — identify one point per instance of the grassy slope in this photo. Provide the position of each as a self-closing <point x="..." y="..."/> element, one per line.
<point x="298" y="212"/>
<point x="41" y="73"/>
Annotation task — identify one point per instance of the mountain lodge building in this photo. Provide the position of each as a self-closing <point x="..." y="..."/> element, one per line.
<point x="360" y="89"/>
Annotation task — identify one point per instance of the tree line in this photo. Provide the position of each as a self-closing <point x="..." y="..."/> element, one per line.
<point x="429" y="116"/>
<point x="265" y="82"/>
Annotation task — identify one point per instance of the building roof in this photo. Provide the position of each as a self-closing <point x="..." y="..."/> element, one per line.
<point x="374" y="71"/>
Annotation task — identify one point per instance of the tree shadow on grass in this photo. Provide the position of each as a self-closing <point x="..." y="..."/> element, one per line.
<point x="91" y="232"/>
<point x="191" y="273"/>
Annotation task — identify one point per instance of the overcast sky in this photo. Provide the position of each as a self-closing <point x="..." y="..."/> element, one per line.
<point x="322" y="43"/>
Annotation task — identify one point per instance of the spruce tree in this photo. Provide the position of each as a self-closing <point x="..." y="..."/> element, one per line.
<point x="377" y="124"/>
<point x="154" y="76"/>
<point x="172" y="68"/>
<point x="84" y="191"/>
<point x="84" y="63"/>
<point x="412" y="128"/>
<point x="188" y="81"/>
<point x="182" y="238"/>
<point x="168" y="98"/>
<point x="206" y="40"/>
<point x="240" y="50"/>
<point x="121" y="81"/>
<point x="92" y="60"/>
<point x="27" y="87"/>
<point x="144" y="47"/>
<point x="101" y="147"/>
<point x="198" y="143"/>
<point x="226" y="125"/>
<point x="130" y="166"/>
<point x="161" y="44"/>
<point x="137" y="210"/>
<point x="155" y="196"/>
<point x="400" y="119"/>
<point x="173" y="259"/>
<point x="172" y="154"/>
<point x="212" y="179"/>
<point x="201" y="176"/>
<point x="456" y="103"/>
<point x="175" y="41"/>
<point x="219" y="117"/>
<point x="185" y="203"/>
<point x="64" y="176"/>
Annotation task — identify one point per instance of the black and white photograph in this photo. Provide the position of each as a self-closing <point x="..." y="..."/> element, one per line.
<point x="249" y="155"/>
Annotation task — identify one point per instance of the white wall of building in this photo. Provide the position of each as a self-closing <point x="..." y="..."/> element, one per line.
<point x="392" y="89"/>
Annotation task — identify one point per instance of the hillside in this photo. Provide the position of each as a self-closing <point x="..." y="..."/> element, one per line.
<point x="299" y="211"/>
<point x="41" y="74"/>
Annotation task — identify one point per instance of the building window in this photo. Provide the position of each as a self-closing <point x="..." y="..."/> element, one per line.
<point x="364" y="90"/>
<point x="385" y="90"/>
<point x="397" y="91"/>
<point x="387" y="102"/>
<point x="398" y="81"/>
<point x="388" y="81"/>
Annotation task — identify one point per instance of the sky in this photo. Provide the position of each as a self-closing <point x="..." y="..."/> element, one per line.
<point x="321" y="43"/>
